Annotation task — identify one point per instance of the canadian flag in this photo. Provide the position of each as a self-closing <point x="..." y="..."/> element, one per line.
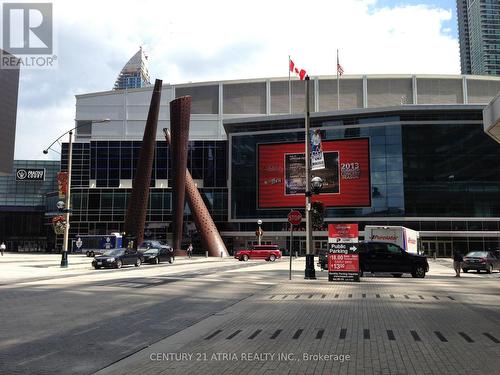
<point x="301" y="73"/>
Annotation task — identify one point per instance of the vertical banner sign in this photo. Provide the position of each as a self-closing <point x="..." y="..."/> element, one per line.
<point x="317" y="158"/>
<point x="343" y="257"/>
<point x="62" y="182"/>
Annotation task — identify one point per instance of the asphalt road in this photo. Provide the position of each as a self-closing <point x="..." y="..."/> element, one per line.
<point x="79" y="320"/>
<point x="78" y="324"/>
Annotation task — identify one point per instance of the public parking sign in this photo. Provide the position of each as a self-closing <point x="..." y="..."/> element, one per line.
<point x="294" y="217"/>
<point x="343" y="257"/>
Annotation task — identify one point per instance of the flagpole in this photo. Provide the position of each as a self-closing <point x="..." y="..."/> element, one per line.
<point x="289" y="88"/>
<point x="338" y="83"/>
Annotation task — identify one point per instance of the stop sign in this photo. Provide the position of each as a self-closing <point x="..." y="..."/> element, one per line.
<point x="294" y="217"/>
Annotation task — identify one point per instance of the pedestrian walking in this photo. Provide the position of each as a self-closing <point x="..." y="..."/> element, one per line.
<point x="3" y="247"/>
<point x="190" y="250"/>
<point x="457" y="262"/>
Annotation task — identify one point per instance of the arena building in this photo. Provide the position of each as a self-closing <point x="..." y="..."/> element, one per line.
<point x="423" y="158"/>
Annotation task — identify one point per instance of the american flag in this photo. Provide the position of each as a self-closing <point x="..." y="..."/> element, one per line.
<point x="340" y="70"/>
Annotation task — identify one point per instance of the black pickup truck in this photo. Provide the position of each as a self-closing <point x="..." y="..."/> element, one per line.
<point x="386" y="257"/>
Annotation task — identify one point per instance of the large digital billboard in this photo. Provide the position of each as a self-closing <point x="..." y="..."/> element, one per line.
<point x="346" y="176"/>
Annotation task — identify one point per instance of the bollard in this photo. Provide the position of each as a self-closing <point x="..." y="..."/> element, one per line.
<point x="221" y="254"/>
<point x="435" y="255"/>
<point x="206" y="254"/>
<point x="296" y="254"/>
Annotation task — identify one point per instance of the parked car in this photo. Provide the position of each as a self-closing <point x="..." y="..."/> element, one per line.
<point x="481" y="260"/>
<point x="156" y="256"/>
<point x="267" y="252"/>
<point x="163" y="252"/>
<point x="116" y="258"/>
<point x="388" y="257"/>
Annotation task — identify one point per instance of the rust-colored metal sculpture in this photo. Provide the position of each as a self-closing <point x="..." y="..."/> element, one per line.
<point x="180" y="115"/>
<point x="211" y="238"/>
<point x="135" y="220"/>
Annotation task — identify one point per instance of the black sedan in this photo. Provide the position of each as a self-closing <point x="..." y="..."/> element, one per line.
<point x="156" y="256"/>
<point x="116" y="258"/>
<point x="481" y="260"/>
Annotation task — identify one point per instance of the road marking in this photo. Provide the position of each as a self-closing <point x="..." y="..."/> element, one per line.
<point x="343" y="333"/>
<point x="366" y="334"/>
<point x="492" y="338"/>
<point x="255" y="334"/>
<point x="465" y="336"/>
<point x="213" y="334"/>
<point x="276" y="334"/>
<point x="320" y="333"/>
<point x="297" y="334"/>
<point x="415" y="335"/>
<point x="390" y="335"/>
<point x="440" y="336"/>
<point x="233" y="334"/>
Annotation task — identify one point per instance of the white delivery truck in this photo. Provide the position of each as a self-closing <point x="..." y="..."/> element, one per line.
<point x="407" y="239"/>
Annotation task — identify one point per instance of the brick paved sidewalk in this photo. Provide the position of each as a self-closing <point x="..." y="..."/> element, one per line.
<point x="379" y="326"/>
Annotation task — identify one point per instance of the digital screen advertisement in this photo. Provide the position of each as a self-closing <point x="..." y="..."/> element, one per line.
<point x="346" y="176"/>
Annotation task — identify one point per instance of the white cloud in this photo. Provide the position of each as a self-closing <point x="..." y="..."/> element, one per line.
<point x="220" y="39"/>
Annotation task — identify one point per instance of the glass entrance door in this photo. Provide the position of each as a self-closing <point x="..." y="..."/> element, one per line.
<point x="443" y="249"/>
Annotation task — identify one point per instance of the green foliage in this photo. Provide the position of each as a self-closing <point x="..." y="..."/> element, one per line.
<point x="317" y="215"/>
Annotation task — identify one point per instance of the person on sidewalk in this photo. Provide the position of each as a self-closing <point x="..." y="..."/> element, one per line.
<point x="3" y="247"/>
<point x="457" y="262"/>
<point x="190" y="250"/>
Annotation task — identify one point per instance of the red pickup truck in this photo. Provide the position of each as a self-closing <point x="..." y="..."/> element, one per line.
<point x="267" y="252"/>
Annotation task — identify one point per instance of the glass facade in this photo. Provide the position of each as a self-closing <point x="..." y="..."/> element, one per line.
<point x="102" y="177"/>
<point x="479" y="34"/>
<point x="435" y="171"/>
<point x="23" y="205"/>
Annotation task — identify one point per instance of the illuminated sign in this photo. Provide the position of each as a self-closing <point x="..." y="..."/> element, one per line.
<point x="346" y="176"/>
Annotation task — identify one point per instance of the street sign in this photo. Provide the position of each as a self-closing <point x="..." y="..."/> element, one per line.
<point x="294" y="217"/>
<point x="343" y="256"/>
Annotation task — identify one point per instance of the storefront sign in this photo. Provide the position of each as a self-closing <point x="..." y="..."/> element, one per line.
<point x="343" y="257"/>
<point x="30" y="174"/>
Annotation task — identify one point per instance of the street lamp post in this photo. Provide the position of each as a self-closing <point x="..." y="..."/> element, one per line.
<point x="310" y="273"/>
<point x="64" y="255"/>
<point x="259" y="230"/>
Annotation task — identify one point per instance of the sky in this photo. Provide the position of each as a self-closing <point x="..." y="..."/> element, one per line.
<point x="198" y="40"/>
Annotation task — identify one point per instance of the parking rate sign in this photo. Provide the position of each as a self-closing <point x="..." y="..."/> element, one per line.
<point x="343" y="257"/>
